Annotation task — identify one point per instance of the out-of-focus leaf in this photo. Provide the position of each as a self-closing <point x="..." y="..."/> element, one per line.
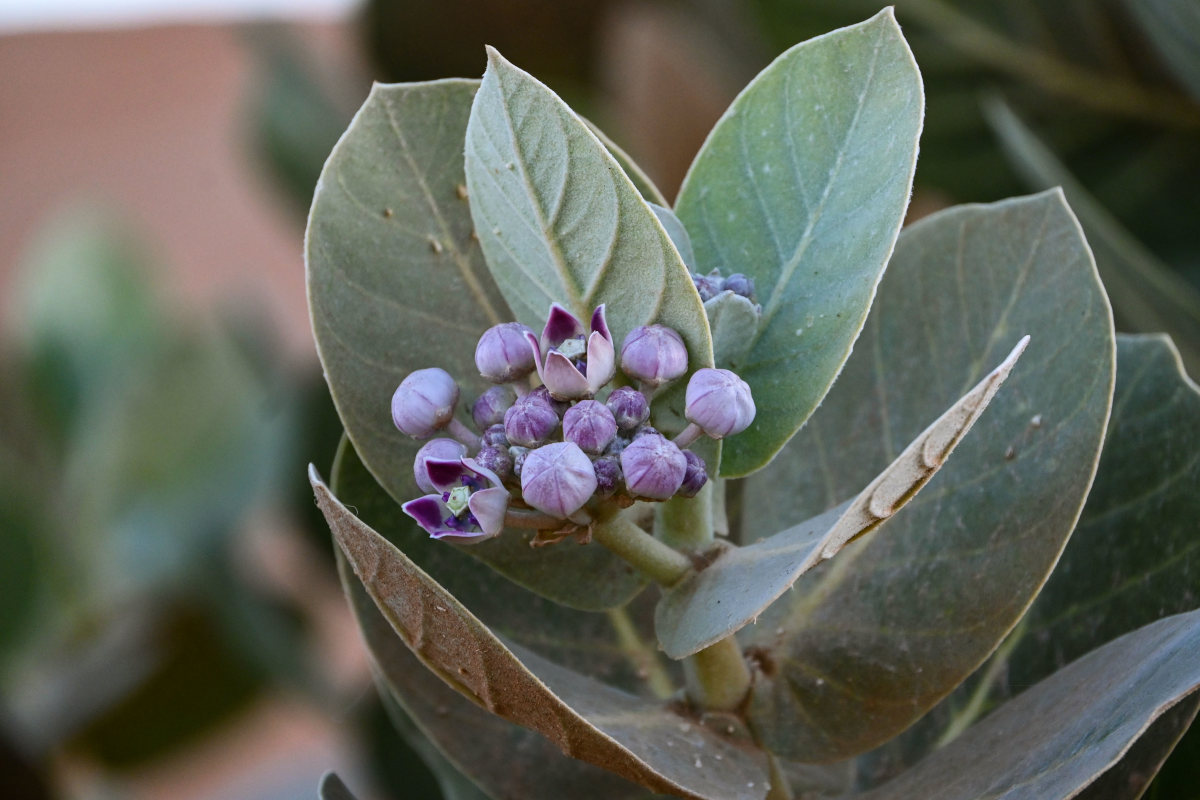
<point x="677" y="233"/>
<point x="720" y="600"/>
<point x="641" y="181"/>
<point x="1056" y="738"/>
<point x="1146" y="294"/>
<point x="588" y="720"/>
<point x="397" y="283"/>
<point x="868" y="642"/>
<point x="1174" y="28"/>
<point x="332" y="788"/>
<point x="1129" y="778"/>
<point x="436" y="777"/>
<point x="803" y="185"/>
<point x="560" y="221"/>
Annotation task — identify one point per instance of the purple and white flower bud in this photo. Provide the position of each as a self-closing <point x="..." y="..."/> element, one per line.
<point x="530" y="421"/>
<point x="608" y="475"/>
<point x="489" y="408"/>
<point x="653" y="354"/>
<point x="646" y="430"/>
<point x="629" y="407"/>
<point x="653" y="467"/>
<point x="497" y="460"/>
<point x="560" y="406"/>
<point x="694" y="477"/>
<point x="590" y="425"/>
<point x="503" y="355"/>
<point x="518" y="458"/>
<point x="557" y="479"/>
<point x="719" y="402"/>
<point x="494" y="436"/>
<point x="438" y="450"/>
<point x="739" y="284"/>
<point x="709" y="286"/>
<point x="424" y="402"/>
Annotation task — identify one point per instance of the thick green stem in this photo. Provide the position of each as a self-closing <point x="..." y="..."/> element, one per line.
<point x="658" y="562"/>
<point x="686" y="523"/>
<point x="781" y="788"/>
<point x="717" y="677"/>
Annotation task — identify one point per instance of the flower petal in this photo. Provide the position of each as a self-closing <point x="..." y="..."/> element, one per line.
<point x="537" y="354"/>
<point x="601" y="361"/>
<point x="599" y="324"/>
<point x="430" y="513"/>
<point x="560" y="326"/>
<point x="479" y="469"/>
<point x="562" y="379"/>
<point x="488" y="507"/>
<point x="445" y="474"/>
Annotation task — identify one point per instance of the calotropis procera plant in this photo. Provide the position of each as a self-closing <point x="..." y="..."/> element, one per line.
<point x="636" y="539"/>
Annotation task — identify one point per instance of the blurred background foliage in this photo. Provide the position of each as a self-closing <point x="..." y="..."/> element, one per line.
<point x="140" y="451"/>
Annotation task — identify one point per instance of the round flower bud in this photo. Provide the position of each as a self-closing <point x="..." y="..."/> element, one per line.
<point x="503" y="354"/>
<point x="489" y="408"/>
<point x="739" y="284"/>
<point x="653" y="354"/>
<point x="557" y="479"/>
<point x="494" y="436"/>
<point x="590" y="425"/>
<point x="719" y="402"/>
<point x="424" y="402"/>
<point x="560" y="406"/>
<point x="608" y="475"/>
<point x="629" y="407"/>
<point x="439" y="450"/>
<point x="653" y="467"/>
<point x="709" y="286"/>
<point x="530" y="421"/>
<point x="646" y="430"/>
<point x="518" y="458"/>
<point x="694" y="477"/>
<point x="618" y="444"/>
<point x="496" y="459"/>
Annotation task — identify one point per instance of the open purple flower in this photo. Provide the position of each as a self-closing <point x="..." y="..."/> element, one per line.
<point x="469" y="506"/>
<point x="570" y="365"/>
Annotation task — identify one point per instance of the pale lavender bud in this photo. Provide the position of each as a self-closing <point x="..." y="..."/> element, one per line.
<point x="424" y="402"/>
<point x="530" y="421"/>
<point x="489" y="408"/>
<point x="496" y="459"/>
<point x="629" y="407"/>
<point x="694" y="477"/>
<point x="739" y="284"/>
<point x="590" y="425"/>
<point x="494" y="436"/>
<point x="560" y="406"/>
<point x="719" y="402"/>
<point x="646" y="430"/>
<point x="557" y="479"/>
<point x="503" y="355"/>
<point x="615" y="447"/>
<point x="608" y="475"/>
<point x="518" y="458"/>
<point x="439" y="450"/>
<point x="709" y="286"/>
<point x="653" y="354"/>
<point x="653" y="467"/>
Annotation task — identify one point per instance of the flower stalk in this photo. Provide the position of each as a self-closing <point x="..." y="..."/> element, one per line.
<point x="657" y="561"/>
<point x="717" y="677"/>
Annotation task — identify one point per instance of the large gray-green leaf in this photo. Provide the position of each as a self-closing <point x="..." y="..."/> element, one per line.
<point x="803" y="185"/>
<point x="1174" y="27"/>
<point x="560" y="221"/>
<point x="871" y="640"/>
<point x="723" y="598"/>
<point x="1146" y="294"/>
<point x="645" y="743"/>
<point x="1059" y="736"/>
<point x="397" y="283"/>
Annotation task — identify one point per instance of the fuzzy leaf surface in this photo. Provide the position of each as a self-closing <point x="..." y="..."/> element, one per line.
<point x="585" y="718"/>
<point x="1056" y="738"/>
<point x="733" y="591"/>
<point x="560" y="221"/>
<point x="869" y="641"/>
<point x="803" y="185"/>
<point x="397" y="283"/>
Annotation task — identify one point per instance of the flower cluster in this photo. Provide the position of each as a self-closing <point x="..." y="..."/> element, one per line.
<point x="712" y="284"/>
<point x="548" y="457"/>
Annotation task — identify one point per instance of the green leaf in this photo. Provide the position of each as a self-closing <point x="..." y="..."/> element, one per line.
<point x="677" y="233"/>
<point x="1059" y="736"/>
<point x="720" y="600"/>
<point x="1146" y="294"/>
<point x="641" y="181"/>
<point x="559" y="221"/>
<point x="733" y="320"/>
<point x="865" y="644"/>
<point x="586" y="719"/>
<point x="1129" y="778"/>
<point x="397" y="283"/>
<point x="803" y="185"/>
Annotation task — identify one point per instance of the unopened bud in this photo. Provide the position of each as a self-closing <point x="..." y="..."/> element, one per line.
<point x="438" y="450"/>
<point x="653" y="467"/>
<point x="502" y="354"/>
<point x="557" y="479"/>
<point x="694" y="477"/>
<point x="489" y="408"/>
<point x="653" y="354"/>
<point x="530" y="421"/>
<point x="629" y="407"/>
<point x="719" y="402"/>
<point x="590" y="425"/>
<point x="424" y="402"/>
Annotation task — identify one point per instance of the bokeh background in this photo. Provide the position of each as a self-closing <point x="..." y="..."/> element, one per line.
<point x="170" y="622"/>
